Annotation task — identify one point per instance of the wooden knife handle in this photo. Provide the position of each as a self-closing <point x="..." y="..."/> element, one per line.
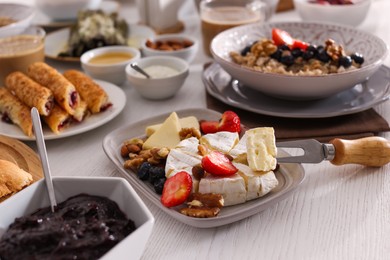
<point x="369" y="151"/>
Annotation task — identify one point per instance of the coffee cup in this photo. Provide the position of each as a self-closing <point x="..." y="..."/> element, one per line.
<point x="18" y="51"/>
<point x="219" y="15"/>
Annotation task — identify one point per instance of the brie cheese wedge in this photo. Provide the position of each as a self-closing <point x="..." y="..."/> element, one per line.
<point x="220" y="141"/>
<point x="261" y="149"/>
<point x="232" y="188"/>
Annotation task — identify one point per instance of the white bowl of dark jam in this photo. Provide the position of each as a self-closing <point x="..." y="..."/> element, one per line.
<point x="96" y="217"/>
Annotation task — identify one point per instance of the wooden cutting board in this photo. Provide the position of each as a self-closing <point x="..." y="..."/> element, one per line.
<point x="17" y="152"/>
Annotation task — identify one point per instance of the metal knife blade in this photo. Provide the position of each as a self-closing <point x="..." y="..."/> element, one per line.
<point x="314" y="151"/>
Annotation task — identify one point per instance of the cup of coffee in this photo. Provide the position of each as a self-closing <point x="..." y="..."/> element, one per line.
<point x="18" y="51"/>
<point x="219" y="15"/>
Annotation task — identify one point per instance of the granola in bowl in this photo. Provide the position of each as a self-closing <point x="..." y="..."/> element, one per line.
<point x="285" y="55"/>
<point x="312" y="85"/>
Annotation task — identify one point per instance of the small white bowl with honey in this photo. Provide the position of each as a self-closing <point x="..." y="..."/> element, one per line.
<point x="109" y="63"/>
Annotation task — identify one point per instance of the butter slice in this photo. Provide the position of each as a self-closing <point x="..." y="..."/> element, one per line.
<point x="167" y="135"/>
<point x="261" y="149"/>
<point x="185" y="122"/>
<point x="258" y="183"/>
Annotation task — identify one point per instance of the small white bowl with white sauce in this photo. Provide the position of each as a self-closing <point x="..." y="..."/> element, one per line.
<point x="167" y="76"/>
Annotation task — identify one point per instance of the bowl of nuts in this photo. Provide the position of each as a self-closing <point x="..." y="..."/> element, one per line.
<point x="299" y="60"/>
<point x="176" y="45"/>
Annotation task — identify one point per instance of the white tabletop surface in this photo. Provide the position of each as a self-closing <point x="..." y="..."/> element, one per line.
<point x="338" y="212"/>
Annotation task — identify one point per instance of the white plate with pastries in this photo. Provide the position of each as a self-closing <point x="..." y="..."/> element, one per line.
<point x="116" y="96"/>
<point x="289" y="176"/>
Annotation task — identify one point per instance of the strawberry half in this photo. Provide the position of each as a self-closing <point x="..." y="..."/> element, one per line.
<point x="209" y="127"/>
<point x="230" y="122"/>
<point x="216" y="163"/>
<point x="176" y="189"/>
<point x="281" y="37"/>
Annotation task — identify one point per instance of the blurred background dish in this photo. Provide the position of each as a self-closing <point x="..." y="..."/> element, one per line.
<point x="306" y="87"/>
<point x="219" y="15"/>
<point x="20" y="49"/>
<point x="51" y="24"/>
<point x="347" y="14"/>
<point x="15" y="18"/>
<point x="167" y="76"/>
<point x="118" y="190"/>
<point x="65" y="9"/>
<point x="174" y="45"/>
<point x="109" y="63"/>
<point x="57" y="41"/>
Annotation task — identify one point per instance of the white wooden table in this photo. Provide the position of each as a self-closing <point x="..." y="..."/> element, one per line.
<point x="337" y="213"/>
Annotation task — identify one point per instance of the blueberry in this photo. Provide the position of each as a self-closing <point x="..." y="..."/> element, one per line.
<point x="320" y="48"/>
<point x="296" y="52"/>
<point x="277" y="55"/>
<point x="312" y="48"/>
<point x="156" y="173"/>
<point x="345" y="61"/>
<point x="358" y="58"/>
<point x="143" y="171"/>
<point x="283" y="47"/>
<point x="307" y="55"/>
<point x="246" y="50"/>
<point x="158" y="185"/>
<point x="287" y="60"/>
<point x="323" y="56"/>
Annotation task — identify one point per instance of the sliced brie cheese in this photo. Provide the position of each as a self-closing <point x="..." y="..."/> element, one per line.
<point x="261" y="149"/>
<point x="258" y="183"/>
<point x="166" y="136"/>
<point x="232" y="188"/>
<point x="239" y="151"/>
<point x="178" y="160"/>
<point x="220" y="141"/>
<point x="185" y="122"/>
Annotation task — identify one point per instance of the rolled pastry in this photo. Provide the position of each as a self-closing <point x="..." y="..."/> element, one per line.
<point x="81" y="111"/>
<point x="15" y="111"/>
<point x="64" y="92"/>
<point x="12" y="178"/>
<point x="58" y="119"/>
<point x="30" y="92"/>
<point x="96" y="98"/>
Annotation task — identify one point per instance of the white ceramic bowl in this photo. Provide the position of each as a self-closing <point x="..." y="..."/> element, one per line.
<point x="119" y="190"/>
<point x="65" y="9"/>
<point x="158" y="88"/>
<point x="373" y="49"/>
<point x="187" y="54"/>
<point x="341" y="14"/>
<point x="114" y="72"/>
<point x="22" y="14"/>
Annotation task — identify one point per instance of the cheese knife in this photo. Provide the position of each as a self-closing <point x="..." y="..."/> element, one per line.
<point x="368" y="151"/>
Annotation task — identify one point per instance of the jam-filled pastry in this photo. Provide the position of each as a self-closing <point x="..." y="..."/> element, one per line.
<point x="64" y="92"/>
<point x="30" y="92"/>
<point x="12" y="178"/>
<point x="96" y="98"/>
<point x="58" y="119"/>
<point x="14" y="111"/>
<point x="81" y="111"/>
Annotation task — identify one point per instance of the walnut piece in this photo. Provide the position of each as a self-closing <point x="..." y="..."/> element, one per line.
<point x="203" y="205"/>
<point x="186" y="133"/>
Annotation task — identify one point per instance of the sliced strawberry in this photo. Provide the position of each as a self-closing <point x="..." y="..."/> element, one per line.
<point x="216" y="163"/>
<point x="230" y="122"/>
<point x="176" y="189"/>
<point x="209" y="127"/>
<point x="281" y="37"/>
<point x="300" y="45"/>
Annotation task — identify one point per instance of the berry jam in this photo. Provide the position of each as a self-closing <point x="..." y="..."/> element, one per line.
<point x="82" y="227"/>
